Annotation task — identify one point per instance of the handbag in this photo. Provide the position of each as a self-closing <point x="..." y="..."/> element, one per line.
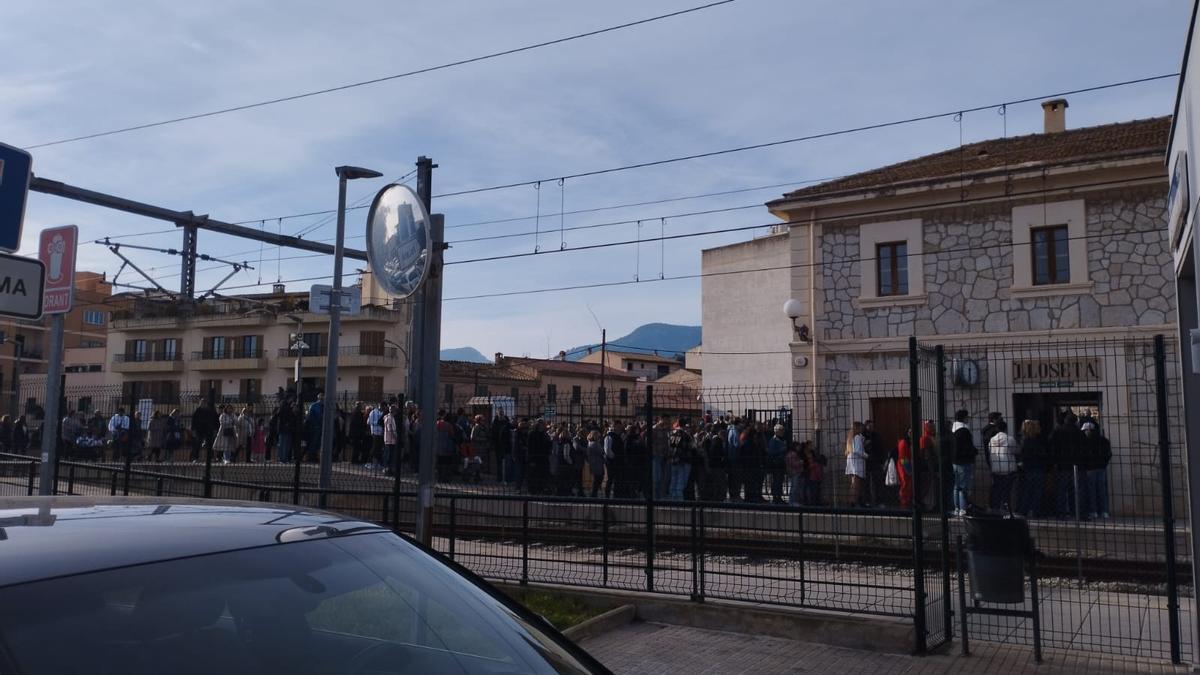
<point x="892" y="479"/>
<point x="228" y="432"/>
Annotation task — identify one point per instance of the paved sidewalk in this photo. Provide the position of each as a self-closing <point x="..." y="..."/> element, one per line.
<point x="657" y="649"/>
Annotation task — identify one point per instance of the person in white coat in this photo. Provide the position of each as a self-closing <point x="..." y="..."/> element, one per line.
<point x="1002" y="460"/>
<point x="856" y="464"/>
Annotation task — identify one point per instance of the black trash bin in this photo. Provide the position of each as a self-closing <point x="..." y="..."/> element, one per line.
<point x="997" y="548"/>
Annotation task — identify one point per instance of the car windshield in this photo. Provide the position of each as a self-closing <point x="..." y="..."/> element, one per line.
<point x="356" y="605"/>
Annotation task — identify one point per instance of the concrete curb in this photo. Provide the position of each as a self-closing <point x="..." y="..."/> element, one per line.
<point x="875" y="633"/>
<point x="598" y="625"/>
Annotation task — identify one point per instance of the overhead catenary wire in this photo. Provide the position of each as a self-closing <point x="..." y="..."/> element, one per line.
<point x="377" y="80"/>
<point x="840" y="132"/>
<point x="808" y="137"/>
<point x="663" y="237"/>
<point x="699" y="275"/>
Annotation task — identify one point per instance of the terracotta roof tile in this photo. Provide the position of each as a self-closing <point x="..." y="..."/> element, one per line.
<point x="489" y="371"/>
<point x="1148" y="136"/>
<point x="569" y="367"/>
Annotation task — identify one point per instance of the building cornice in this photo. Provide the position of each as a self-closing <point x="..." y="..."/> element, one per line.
<point x="900" y="344"/>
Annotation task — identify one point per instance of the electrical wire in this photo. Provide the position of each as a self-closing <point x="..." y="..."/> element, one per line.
<point x="377" y="80"/>
<point x="800" y="139"/>
<point x="998" y="106"/>
<point x="743" y="228"/>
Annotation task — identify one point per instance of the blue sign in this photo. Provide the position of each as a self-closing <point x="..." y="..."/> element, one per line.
<point x="16" y="169"/>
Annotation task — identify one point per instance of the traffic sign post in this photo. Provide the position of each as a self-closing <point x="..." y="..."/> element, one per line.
<point x="21" y="281"/>
<point x="56" y="252"/>
<point x="16" y="170"/>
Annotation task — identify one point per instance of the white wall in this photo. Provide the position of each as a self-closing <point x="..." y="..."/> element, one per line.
<point x="744" y="313"/>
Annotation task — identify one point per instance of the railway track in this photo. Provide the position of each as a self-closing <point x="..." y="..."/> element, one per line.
<point x="817" y="547"/>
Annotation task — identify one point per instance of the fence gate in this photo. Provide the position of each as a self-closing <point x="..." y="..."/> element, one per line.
<point x="932" y="612"/>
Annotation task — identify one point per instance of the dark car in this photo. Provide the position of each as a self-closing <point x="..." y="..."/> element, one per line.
<point x="129" y="586"/>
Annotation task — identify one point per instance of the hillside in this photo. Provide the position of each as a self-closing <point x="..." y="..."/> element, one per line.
<point x="664" y="338"/>
<point x="464" y="354"/>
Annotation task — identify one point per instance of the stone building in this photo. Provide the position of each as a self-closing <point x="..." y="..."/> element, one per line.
<point x="1029" y="258"/>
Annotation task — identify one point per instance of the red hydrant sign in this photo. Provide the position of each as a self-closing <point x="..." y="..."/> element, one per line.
<point x="56" y="250"/>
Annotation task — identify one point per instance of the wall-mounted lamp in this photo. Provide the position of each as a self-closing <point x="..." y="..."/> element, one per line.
<point x="793" y="309"/>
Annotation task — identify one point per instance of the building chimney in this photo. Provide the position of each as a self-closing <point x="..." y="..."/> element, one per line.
<point x="1055" y="115"/>
<point x="499" y="357"/>
<point x="562" y="355"/>
<point x="278" y="289"/>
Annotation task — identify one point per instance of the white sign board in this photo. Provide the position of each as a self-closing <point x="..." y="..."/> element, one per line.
<point x="21" y="283"/>
<point x="319" y="294"/>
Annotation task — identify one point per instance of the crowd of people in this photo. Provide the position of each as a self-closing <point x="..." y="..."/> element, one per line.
<point x="1063" y="472"/>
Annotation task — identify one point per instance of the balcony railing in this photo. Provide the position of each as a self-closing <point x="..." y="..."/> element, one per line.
<point x="354" y="350"/>
<point x="228" y="354"/>
<point x="146" y="358"/>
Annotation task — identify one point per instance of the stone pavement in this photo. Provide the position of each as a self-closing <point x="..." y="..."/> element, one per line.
<point x="657" y="649"/>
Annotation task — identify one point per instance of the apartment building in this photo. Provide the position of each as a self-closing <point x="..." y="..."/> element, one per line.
<point x="243" y="348"/>
<point x="25" y="344"/>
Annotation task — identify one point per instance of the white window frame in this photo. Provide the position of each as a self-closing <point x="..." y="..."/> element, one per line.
<point x="1029" y="217"/>
<point x="870" y="235"/>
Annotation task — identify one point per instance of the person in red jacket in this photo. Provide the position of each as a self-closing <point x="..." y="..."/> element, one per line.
<point x="904" y="469"/>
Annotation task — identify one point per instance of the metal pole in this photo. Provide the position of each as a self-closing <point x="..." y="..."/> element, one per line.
<point x="53" y="397"/>
<point x="943" y="517"/>
<point x="914" y="395"/>
<point x="430" y="344"/>
<point x="417" y="331"/>
<point x="187" y="277"/>
<point x="1168" y="503"/>
<point x="18" y="351"/>
<point x="298" y="346"/>
<point x="603" y="367"/>
<point x="401" y="445"/>
<point x="649" y="453"/>
<point x="331" y="361"/>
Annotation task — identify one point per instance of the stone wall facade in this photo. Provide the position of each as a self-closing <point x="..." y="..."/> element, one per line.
<point x="968" y="269"/>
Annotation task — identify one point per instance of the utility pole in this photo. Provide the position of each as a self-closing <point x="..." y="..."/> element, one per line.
<point x="427" y="340"/>
<point x="53" y="414"/>
<point x="603" y="367"/>
<point x="416" y="333"/>
<point x="14" y="408"/>
<point x="344" y="174"/>
<point x="429" y="379"/>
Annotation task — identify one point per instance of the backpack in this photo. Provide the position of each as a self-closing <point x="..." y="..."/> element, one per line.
<point x="679" y="447"/>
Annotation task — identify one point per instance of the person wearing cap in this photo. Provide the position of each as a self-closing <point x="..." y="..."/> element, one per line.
<point x="1097" y="453"/>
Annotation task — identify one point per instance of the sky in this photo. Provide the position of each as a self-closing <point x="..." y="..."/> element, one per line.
<point x="747" y="72"/>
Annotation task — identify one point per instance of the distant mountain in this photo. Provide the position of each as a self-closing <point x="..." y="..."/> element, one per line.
<point x="464" y="354"/>
<point x="664" y="338"/>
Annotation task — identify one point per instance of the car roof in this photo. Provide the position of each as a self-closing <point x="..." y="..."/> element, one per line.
<point x="46" y="537"/>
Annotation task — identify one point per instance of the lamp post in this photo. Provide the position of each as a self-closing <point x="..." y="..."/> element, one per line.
<point x="298" y="345"/>
<point x="18" y="343"/>
<point x="403" y="351"/>
<point x="794" y="309"/>
<point x="344" y="174"/>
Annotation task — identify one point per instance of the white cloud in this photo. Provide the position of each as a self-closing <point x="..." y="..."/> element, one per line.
<point x="748" y="72"/>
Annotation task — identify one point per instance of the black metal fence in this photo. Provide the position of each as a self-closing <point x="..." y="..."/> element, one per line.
<point x="1111" y="531"/>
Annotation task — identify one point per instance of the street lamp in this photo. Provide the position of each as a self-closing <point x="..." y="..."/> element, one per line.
<point x="298" y="345"/>
<point x="402" y="351"/>
<point x="794" y="310"/>
<point x="397" y="346"/>
<point x="344" y="174"/>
